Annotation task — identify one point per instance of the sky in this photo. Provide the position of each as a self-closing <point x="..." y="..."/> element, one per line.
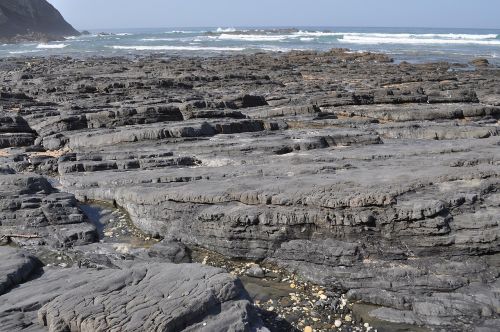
<point x="108" y="14"/>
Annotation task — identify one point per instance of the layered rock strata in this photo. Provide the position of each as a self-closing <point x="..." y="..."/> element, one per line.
<point x="375" y="178"/>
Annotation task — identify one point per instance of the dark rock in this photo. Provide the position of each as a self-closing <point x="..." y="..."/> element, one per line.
<point x="480" y="62"/>
<point x="255" y="271"/>
<point x="32" y="18"/>
<point x="169" y="251"/>
<point x="252" y="101"/>
<point x="15" y="268"/>
<point x="15" y="131"/>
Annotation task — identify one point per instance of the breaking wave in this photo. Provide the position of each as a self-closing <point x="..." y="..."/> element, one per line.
<point x="404" y="38"/>
<point x="50" y="46"/>
<point x="220" y="30"/>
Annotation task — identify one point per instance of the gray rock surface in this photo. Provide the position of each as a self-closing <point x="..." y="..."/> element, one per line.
<point x="33" y="213"/>
<point x="14" y="131"/>
<point x="15" y="267"/>
<point x="146" y="297"/>
<point x="377" y="179"/>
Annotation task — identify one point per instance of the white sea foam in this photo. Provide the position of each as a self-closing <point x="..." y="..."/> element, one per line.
<point x="177" y="48"/>
<point x="253" y="37"/>
<point x="457" y="36"/>
<point x="451" y="36"/>
<point x="225" y="30"/>
<point x="25" y="51"/>
<point x="404" y="38"/>
<point x="315" y="34"/>
<point x="50" y="46"/>
<point x="124" y="34"/>
<point x="374" y="39"/>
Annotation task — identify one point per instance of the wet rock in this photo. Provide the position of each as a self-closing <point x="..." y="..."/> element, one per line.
<point x="480" y="62"/>
<point x="169" y="251"/>
<point x="255" y="271"/>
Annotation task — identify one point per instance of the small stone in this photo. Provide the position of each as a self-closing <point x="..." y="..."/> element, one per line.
<point x="308" y="329"/>
<point x="293" y="285"/>
<point x="255" y="271"/>
<point x="285" y="302"/>
<point x="348" y="318"/>
<point x="270" y="309"/>
<point x="323" y="297"/>
<point x="337" y="323"/>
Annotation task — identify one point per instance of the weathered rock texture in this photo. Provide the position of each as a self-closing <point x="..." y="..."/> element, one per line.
<point x="15" y="267"/>
<point x="32" y="18"/>
<point x="376" y="178"/>
<point x="146" y="297"/>
<point x="34" y="213"/>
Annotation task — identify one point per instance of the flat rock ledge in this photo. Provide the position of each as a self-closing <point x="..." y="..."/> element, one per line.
<point x="145" y="297"/>
<point x="376" y="179"/>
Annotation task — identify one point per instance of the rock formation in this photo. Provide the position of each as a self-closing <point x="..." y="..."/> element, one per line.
<point x="376" y="179"/>
<point x="146" y="297"/>
<point x="32" y="19"/>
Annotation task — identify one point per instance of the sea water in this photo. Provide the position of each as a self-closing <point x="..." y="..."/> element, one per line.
<point x="403" y="44"/>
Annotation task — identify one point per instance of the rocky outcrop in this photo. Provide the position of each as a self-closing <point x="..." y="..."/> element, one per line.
<point x="14" y="131"/>
<point x="146" y="297"/>
<point x="32" y="20"/>
<point x="15" y="268"/>
<point x="33" y="213"/>
<point x="372" y="179"/>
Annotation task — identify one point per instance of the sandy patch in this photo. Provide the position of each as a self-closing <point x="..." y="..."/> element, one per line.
<point x="55" y="153"/>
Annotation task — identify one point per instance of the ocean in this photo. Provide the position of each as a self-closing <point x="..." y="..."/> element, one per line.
<point x="403" y="44"/>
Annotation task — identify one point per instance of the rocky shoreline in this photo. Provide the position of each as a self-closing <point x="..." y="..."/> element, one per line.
<point x="285" y="191"/>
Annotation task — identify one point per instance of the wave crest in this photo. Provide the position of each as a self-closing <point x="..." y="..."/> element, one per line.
<point x="51" y="46"/>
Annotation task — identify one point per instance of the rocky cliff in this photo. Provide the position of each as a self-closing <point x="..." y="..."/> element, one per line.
<point x="32" y="19"/>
